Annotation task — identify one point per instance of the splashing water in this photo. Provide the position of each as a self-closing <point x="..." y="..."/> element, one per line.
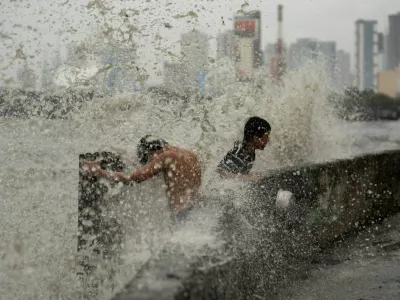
<point x="40" y="174"/>
<point x="303" y="126"/>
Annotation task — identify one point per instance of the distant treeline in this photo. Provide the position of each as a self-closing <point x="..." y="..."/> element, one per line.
<point x="354" y="104"/>
<point x="21" y="104"/>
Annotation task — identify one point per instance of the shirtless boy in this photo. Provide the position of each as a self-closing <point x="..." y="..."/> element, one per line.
<point x="180" y="168"/>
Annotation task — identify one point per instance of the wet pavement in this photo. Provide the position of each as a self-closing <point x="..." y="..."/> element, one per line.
<point x="363" y="267"/>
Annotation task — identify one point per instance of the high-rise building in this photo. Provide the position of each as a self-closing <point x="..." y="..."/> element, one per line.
<point x="278" y="63"/>
<point x="300" y="51"/>
<point x="393" y="42"/>
<point x="385" y="51"/>
<point x="380" y="60"/>
<point x="194" y="46"/>
<point x="269" y="53"/>
<point x="343" y="76"/>
<point x="187" y="76"/>
<point x="365" y="56"/>
<point x="328" y="51"/>
<point x="389" y="82"/>
<point x="307" y="48"/>
<point x="247" y="51"/>
<point x="194" y="51"/>
<point x="225" y="44"/>
<point x="173" y="76"/>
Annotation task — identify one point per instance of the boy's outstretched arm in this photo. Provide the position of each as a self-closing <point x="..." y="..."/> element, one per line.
<point x="139" y="175"/>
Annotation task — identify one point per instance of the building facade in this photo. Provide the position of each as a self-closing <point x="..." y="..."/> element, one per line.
<point x="389" y="83"/>
<point x="187" y="76"/>
<point x="269" y="52"/>
<point x="343" y="63"/>
<point x="225" y="44"/>
<point x="173" y="76"/>
<point x="247" y="50"/>
<point x="381" y="65"/>
<point x="393" y="42"/>
<point x="366" y="60"/>
<point x="327" y="49"/>
<point x="300" y="51"/>
<point x="194" y="52"/>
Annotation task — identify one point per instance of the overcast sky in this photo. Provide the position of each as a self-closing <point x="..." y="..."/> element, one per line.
<point x="39" y="25"/>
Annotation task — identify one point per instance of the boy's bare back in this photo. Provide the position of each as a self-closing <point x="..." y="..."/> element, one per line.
<point x="182" y="175"/>
<point x="181" y="170"/>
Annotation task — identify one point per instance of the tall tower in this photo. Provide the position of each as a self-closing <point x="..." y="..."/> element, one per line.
<point x="278" y="62"/>
<point x="247" y="49"/>
<point x="393" y="42"/>
<point x="366" y="58"/>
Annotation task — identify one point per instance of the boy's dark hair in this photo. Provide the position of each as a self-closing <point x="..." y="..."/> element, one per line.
<point x="255" y="126"/>
<point x="148" y="144"/>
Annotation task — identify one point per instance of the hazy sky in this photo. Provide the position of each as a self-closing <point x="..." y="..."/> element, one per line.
<point x="41" y="24"/>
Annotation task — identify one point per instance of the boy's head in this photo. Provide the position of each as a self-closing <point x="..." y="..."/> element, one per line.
<point x="148" y="145"/>
<point x="256" y="131"/>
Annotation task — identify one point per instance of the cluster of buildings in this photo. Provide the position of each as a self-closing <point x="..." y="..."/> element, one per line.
<point x="276" y="59"/>
<point x="336" y="61"/>
<point x="188" y="74"/>
<point x="106" y="67"/>
<point x="242" y="45"/>
<point x="377" y="57"/>
<point x="375" y="65"/>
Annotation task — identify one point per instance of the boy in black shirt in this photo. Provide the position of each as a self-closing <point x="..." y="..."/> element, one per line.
<point x="240" y="159"/>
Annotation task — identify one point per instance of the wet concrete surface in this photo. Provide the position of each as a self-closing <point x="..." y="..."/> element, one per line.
<point x="365" y="266"/>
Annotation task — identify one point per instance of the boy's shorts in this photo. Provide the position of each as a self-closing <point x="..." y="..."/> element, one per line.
<point x="180" y="217"/>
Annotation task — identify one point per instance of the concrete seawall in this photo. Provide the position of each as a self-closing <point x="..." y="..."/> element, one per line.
<point x="336" y="197"/>
<point x="99" y="235"/>
<point x="330" y="200"/>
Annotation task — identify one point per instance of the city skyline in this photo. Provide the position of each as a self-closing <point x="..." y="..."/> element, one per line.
<point x="322" y="20"/>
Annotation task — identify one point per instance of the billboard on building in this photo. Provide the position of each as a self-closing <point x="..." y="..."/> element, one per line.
<point x="245" y="58"/>
<point x="247" y="25"/>
<point x="246" y="28"/>
<point x="247" y="50"/>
